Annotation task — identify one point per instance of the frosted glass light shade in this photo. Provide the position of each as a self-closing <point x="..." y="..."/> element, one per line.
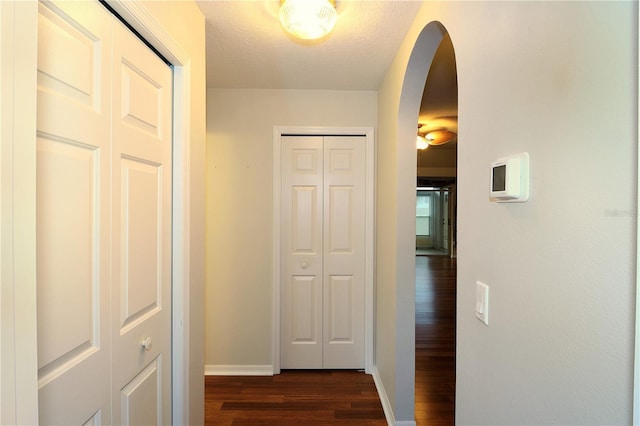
<point x="308" y="19"/>
<point x="421" y="143"/>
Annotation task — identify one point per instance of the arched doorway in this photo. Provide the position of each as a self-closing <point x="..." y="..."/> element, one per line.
<point x="437" y="155"/>
<point x="435" y="300"/>
<point x="423" y="58"/>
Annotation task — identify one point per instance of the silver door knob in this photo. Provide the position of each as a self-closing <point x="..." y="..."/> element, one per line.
<point x="146" y="344"/>
<point x="304" y="265"/>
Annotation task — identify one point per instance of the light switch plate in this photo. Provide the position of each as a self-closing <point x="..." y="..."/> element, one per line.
<point x="482" y="302"/>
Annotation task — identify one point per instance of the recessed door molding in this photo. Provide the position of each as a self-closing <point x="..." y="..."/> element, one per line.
<point x="368" y="133"/>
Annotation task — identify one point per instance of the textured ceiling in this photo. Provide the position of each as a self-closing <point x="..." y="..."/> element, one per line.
<point x="247" y="48"/>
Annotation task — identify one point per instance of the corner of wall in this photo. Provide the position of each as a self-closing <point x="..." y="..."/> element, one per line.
<point x="386" y="403"/>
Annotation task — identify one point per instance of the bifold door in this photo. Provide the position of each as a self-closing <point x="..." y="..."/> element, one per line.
<point x="323" y="252"/>
<point x="103" y="222"/>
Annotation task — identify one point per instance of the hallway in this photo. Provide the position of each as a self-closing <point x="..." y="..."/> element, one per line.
<point x="326" y="397"/>
<point x="435" y="340"/>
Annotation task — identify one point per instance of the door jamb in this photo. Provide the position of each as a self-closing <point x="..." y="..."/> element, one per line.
<point x="636" y="357"/>
<point x="368" y="133"/>
<point x="18" y="343"/>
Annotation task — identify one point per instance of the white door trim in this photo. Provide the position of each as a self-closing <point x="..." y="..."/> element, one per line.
<point x="18" y="346"/>
<point x="18" y="342"/>
<point x="368" y="133"/>
<point x="636" y="358"/>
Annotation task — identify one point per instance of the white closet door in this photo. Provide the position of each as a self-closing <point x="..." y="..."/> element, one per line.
<point x="302" y="198"/>
<point x="103" y="221"/>
<point x="323" y="252"/>
<point x="72" y="222"/>
<point x="344" y="252"/>
<point x="141" y="237"/>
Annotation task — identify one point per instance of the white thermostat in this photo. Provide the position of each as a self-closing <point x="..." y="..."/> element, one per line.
<point x="510" y="179"/>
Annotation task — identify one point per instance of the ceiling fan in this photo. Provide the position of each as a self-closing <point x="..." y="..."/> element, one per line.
<point x="434" y="136"/>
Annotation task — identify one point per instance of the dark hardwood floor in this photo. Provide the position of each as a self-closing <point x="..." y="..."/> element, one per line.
<point x="310" y="397"/>
<point x="326" y="397"/>
<point x="435" y="340"/>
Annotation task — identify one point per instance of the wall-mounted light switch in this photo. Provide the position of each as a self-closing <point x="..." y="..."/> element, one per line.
<point x="482" y="302"/>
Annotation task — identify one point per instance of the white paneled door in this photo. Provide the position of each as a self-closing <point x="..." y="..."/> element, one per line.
<point x="141" y="237"/>
<point x="72" y="213"/>
<point x="103" y="221"/>
<point x="323" y="252"/>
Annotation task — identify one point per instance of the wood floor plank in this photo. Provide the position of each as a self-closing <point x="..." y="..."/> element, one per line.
<point x="294" y="397"/>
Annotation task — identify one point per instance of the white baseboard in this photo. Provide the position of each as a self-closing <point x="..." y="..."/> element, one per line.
<point x="238" y="370"/>
<point x="384" y="399"/>
<point x="386" y="404"/>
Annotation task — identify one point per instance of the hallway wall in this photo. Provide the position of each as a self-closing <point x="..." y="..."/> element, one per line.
<point x="239" y="208"/>
<point x="559" y="80"/>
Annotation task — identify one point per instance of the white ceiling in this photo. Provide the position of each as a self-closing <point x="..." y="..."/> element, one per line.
<point x="247" y="47"/>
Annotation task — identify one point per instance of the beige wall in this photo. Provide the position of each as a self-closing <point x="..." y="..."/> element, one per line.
<point x="558" y="80"/>
<point x="239" y="207"/>
<point x="434" y="157"/>
<point x="437" y="162"/>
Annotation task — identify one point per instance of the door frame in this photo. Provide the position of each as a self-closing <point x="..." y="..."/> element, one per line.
<point x="368" y="133"/>
<point x="18" y="345"/>
<point x="636" y="349"/>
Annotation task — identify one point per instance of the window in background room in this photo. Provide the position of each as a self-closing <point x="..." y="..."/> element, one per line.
<point x="423" y="213"/>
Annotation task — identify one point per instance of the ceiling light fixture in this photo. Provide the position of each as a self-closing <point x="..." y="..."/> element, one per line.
<point x="421" y="143"/>
<point x="439" y="137"/>
<point x="435" y="136"/>
<point x="308" y="19"/>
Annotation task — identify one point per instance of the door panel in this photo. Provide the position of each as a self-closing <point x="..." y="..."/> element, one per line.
<point x="301" y="317"/>
<point x="323" y="243"/>
<point x="305" y="297"/>
<point x="340" y="226"/>
<point x="305" y="219"/>
<point x="71" y="55"/>
<point x="341" y="309"/>
<point x="141" y="288"/>
<point x="344" y="252"/>
<point x="72" y="215"/>
<point x="141" y="100"/>
<point x="68" y="324"/>
<point x="142" y="397"/>
<point x="141" y="238"/>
